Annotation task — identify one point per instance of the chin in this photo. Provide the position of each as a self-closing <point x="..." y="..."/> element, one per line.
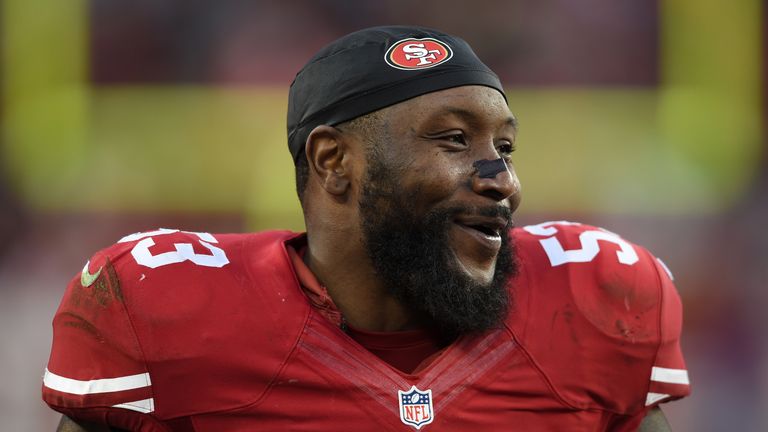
<point x="480" y="273"/>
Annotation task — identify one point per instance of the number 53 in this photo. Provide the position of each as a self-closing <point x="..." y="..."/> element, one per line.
<point x="183" y="251"/>
<point x="589" y="244"/>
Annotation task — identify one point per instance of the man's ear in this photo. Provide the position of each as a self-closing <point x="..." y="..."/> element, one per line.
<point x="327" y="158"/>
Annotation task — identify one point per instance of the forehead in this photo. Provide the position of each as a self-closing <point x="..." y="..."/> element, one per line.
<point x="478" y="104"/>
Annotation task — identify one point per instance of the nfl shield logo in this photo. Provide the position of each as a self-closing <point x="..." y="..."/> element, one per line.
<point x="416" y="407"/>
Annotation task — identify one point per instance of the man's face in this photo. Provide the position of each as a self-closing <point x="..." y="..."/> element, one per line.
<point x="436" y="231"/>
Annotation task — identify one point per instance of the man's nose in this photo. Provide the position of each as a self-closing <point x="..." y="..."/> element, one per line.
<point x="499" y="182"/>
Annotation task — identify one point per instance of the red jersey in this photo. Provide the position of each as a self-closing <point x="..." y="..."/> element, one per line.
<point x="178" y="331"/>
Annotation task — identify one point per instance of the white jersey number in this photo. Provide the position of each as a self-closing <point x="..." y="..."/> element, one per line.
<point x="589" y="244"/>
<point x="183" y="252"/>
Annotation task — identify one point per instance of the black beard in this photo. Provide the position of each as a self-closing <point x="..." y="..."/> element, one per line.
<point x="411" y="254"/>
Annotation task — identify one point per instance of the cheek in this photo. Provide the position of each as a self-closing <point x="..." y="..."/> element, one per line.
<point x="514" y="200"/>
<point x="436" y="180"/>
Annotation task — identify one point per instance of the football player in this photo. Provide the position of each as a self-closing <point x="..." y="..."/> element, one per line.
<point x="411" y="302"/>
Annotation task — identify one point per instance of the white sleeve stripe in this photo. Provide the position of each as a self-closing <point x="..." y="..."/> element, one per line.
<point x="106" y="385"/>
<point x="671" y="376"/>
<point x="652" y="398"/>
<point x="143" y="406"/>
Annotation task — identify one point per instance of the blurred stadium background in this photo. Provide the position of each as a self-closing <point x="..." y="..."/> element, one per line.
<point x="645" y="117"/>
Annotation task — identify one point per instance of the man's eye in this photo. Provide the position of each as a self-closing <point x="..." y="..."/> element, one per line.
<point x="506" y="149"/>
<point x="457" y="138"/>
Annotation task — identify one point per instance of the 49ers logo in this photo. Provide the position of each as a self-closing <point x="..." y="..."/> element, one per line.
<point x="410" y="54"/>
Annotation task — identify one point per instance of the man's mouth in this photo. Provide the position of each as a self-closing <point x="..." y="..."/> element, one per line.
<point x="485" y="229"/>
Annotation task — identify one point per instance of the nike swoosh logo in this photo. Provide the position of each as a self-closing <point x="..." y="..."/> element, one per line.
<point x="87" y="279"/>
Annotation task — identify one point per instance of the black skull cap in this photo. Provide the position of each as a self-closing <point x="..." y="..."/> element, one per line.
<point x="374" y="68"/>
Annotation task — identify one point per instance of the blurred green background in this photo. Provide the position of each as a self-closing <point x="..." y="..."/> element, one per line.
<point x="643" y="117"/>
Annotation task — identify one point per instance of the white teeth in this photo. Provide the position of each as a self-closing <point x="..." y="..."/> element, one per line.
<point x="491" y="236"/>
<point x="487" y="232"/>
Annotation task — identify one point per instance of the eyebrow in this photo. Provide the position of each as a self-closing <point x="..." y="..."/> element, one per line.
<point x="471" y="116"/>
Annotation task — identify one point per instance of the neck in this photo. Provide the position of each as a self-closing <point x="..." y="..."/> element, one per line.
<point x="348" y="275"/>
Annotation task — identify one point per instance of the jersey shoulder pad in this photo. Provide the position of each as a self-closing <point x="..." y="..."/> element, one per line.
<point x="602" y="270"/>
<point x="150" y="317"/>
<point x="593" y="310"/>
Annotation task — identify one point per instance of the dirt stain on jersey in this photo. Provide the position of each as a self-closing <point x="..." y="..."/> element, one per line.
<point x="625" y="330"/>
<point x="102" y="291"/>
<point x="74" y="320"/>
<point x="114" y="282"/>
<point x="562" y="320"/>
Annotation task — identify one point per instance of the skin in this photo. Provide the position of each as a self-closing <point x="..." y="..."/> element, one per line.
<point x="433" y="140"/>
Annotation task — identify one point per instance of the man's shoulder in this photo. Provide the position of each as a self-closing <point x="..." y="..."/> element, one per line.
<point x="594" y="262"/>
<point x="582" y="271"/>
<point x="167" y="304"/>
<point x="588" y="306"/>
<point x="192" y="275"/>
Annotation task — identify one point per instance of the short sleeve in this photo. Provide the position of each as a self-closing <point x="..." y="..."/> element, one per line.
<point x="669" y="375"/>
<point x="96" y="370"/>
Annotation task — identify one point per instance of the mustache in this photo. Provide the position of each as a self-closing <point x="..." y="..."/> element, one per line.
<point x="493" y="211"/>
